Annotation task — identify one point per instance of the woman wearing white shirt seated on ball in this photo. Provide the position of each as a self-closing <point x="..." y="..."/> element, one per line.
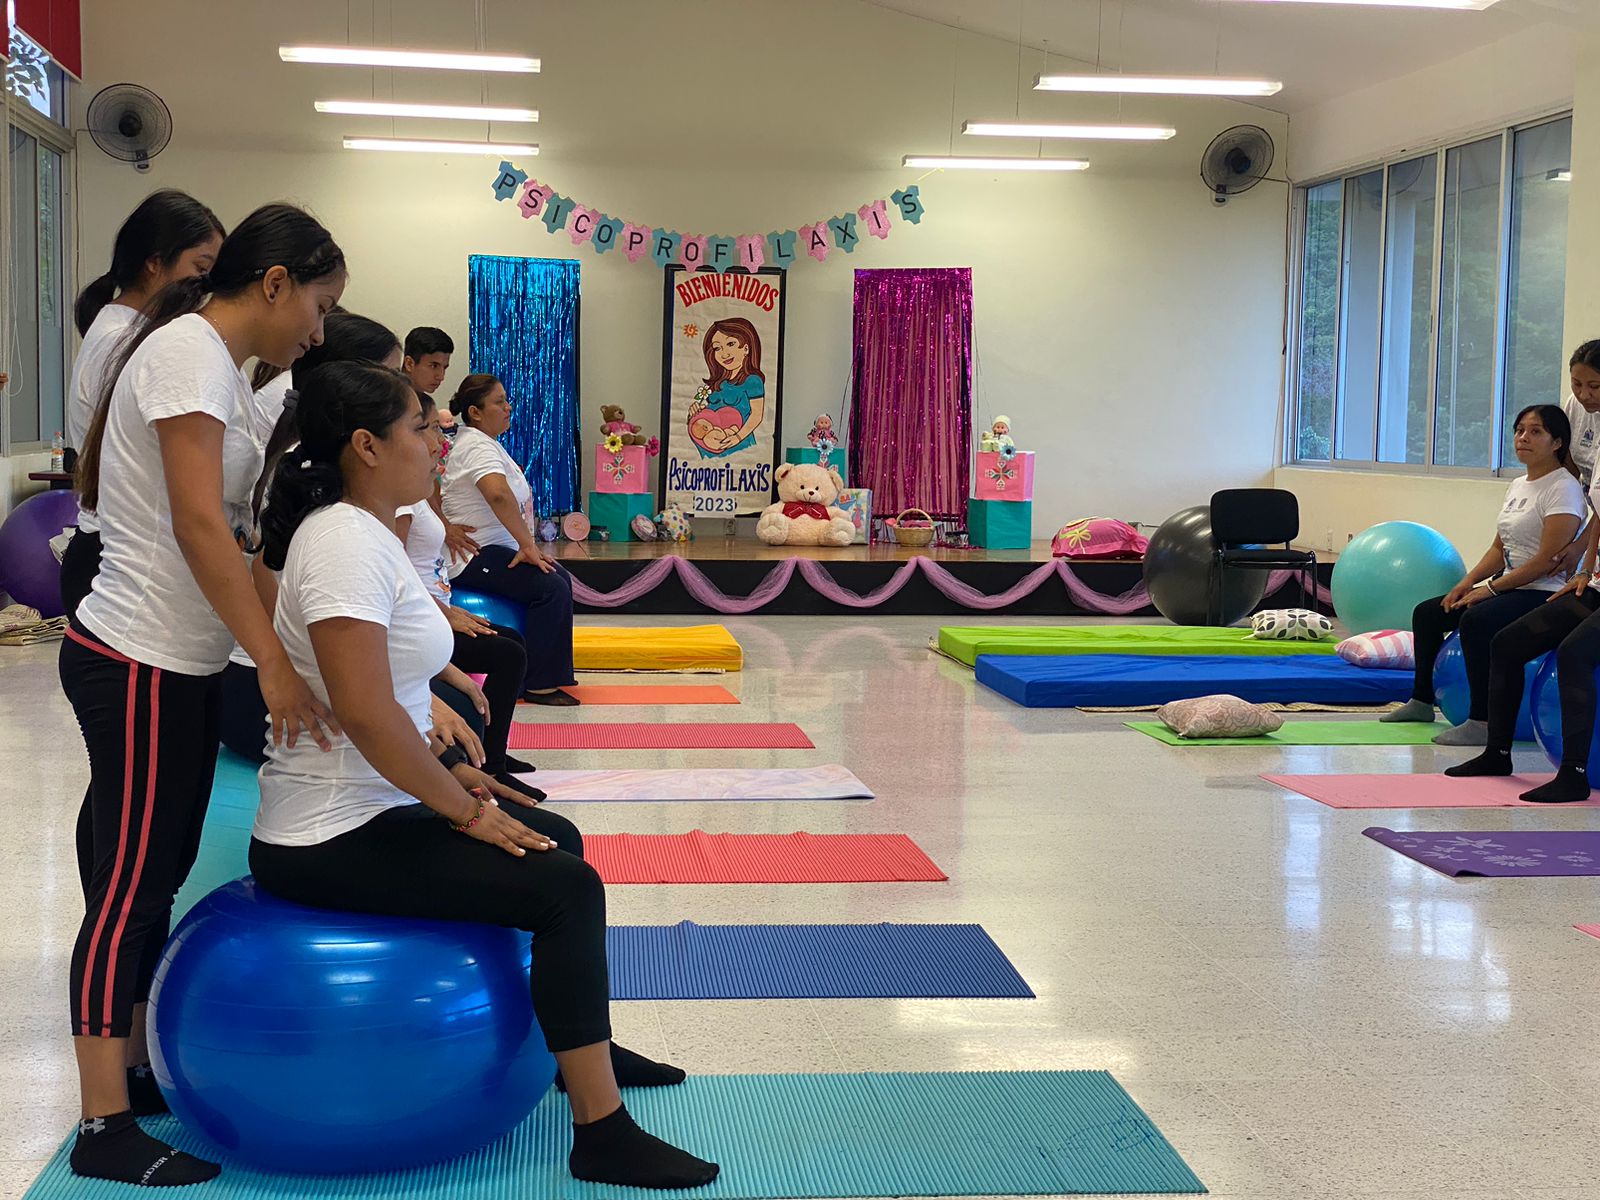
<point x="1539" y="519"/>
<point x="486" y="492"/>
<point x="377" y="825"/>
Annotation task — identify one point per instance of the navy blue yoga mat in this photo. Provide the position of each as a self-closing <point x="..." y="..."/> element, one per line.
<point x="826" y="962"/>
<point x="1126" y="680"/>
<point x="1028" y="1133"/>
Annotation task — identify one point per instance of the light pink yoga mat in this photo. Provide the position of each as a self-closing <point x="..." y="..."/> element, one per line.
<point x="674" y="735"/>
<point x="1592" y="930"/>
<point x="1417" y="791"/>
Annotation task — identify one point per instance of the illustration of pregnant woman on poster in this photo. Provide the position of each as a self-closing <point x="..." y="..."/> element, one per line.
<point x="729" y="407"/>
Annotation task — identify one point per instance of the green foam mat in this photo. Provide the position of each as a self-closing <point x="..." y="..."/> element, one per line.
<point x="1311" y="733"/>
<point x="1026" y="1133"/>
<point x="965" y="642"/>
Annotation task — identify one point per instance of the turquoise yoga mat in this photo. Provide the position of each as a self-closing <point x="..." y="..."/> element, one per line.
<point x="803" y="1136"/>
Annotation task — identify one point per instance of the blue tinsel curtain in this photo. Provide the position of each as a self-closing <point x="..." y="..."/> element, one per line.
<point x="523" y="326"/>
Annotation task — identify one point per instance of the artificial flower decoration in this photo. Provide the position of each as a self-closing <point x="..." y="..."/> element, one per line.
<point x="653" y="447"/>
<point x="613" y="443"/>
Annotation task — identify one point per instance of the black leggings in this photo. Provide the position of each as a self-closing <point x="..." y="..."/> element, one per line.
<point x="547" y="632"/>
<point x="79" y="565"/>
<point x="244" y="713"/>
<point x="152" y="739"/>
<point x="503" y="662"/>
<point x="409" y="862"/>
<point x="1477" y="625"/>
<point x="1571" y="627"/>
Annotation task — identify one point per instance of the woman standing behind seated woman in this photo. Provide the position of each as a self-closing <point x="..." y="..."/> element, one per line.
<point x="1541" y="515"/>
<point x="377" y="825"/>
<point x="486" y="491"/>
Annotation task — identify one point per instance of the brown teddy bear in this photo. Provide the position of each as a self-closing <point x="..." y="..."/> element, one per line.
<point x="616" y="421"/>
<point x="804" y="514"/>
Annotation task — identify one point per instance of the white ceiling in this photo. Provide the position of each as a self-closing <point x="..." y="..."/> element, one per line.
<point x="1319" y="51"/>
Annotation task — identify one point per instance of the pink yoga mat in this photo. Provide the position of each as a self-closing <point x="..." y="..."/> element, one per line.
<point x="701" y="857"/>
<point x="1592" y="930"/>
<point x="1417" y="791"/>
<point x="677" y="693"/>
<point x="676" y="735"/>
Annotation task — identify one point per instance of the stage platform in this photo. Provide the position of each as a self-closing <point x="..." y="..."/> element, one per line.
<point x="736" y="567"/>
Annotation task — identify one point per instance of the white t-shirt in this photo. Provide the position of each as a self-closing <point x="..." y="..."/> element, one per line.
<point x="266" y="406"/>
<point x="1522" y="517"/>
<point x="343" y="562"/>
<point x="145" y="601"/>
<point x="425" y="549"/>
<point x="474" y="455"/>
<point x="100" y="346"/>
<point x="1585" y="436"/>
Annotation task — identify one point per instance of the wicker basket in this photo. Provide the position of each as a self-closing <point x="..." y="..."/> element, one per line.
<point x="915" y="536"/>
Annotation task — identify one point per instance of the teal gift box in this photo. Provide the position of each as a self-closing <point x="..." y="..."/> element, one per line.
<point x="1000" y="524"/>
<point x="616" y="511"/>
<point x="810" y="454"/>
<point x="857" y="505"/>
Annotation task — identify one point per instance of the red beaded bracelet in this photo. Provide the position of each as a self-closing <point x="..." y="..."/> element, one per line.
<point x="476" y="817"/>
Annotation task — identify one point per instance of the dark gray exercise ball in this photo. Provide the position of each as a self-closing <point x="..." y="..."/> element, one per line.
<point x="1177" y="572"/>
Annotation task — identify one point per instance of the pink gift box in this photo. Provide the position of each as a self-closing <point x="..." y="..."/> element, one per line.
<point x="1004" y="480"/>
<point x="621" y="473"/>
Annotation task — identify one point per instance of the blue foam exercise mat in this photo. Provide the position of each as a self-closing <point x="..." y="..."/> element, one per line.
<point x="813" y="962"/>
<point x="1129" y="680"/>
<point x="1026" y="1133"/>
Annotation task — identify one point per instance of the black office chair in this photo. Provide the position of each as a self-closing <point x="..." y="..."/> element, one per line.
<point x="1245" y="524"/>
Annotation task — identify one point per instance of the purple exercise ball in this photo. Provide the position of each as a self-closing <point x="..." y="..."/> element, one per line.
<point x="28" y="568"/>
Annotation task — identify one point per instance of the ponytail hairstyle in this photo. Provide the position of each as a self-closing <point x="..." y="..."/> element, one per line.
<point x="337" y="399"/>
<point x="1586" y="355"/>
<point x="165" y="224"/>
<point x="346" y="337"/>
<point x="474" y="390"/>
<point x="1555" y="423"/>
<point x="277" y="235"/>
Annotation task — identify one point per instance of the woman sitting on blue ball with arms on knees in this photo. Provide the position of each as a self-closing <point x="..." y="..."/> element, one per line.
<point x="1541" y="515"/>
<point x="376" y="825"/>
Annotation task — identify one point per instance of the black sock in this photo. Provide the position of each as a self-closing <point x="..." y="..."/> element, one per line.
<point x="516" y="785"/>
<point x="1570" y="785"/>
<point x="1490" y="762"/>
<point x="144" y="1097"/>
<point x="635" y="1070"/>
<point x="516" y="766"/>
<point x="615" y="1150"/>
<point x="116" y="1148"/>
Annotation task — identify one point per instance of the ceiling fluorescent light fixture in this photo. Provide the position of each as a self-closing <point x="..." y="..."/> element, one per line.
<point x="373" y="56"/>
<point x="416" y="146"/>
<point x="453" y="112"/>
<point x="1124" y="133"/>
<point x="958" y="163"/>
<point x="1453" y="5"/>
<point x="1158" y="85"/>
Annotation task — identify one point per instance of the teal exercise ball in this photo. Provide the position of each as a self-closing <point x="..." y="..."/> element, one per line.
<point x="1388" y="570"/>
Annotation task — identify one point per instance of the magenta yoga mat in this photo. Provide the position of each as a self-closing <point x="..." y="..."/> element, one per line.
<point x="1416" y="791"/>
<point x="672" y="735"/>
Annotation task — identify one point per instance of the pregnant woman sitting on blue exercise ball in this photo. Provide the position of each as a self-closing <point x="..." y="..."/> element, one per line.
<point x="1539" y="519"/>
<point x="376" y="824"/>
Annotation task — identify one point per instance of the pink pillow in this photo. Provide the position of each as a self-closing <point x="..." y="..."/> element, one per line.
<point x="1394" y="648"/>
<point x="1099" y="537"/>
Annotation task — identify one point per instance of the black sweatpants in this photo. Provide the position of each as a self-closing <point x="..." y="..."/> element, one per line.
<point x="409" y="862"/>
<point x="79" y="565"/>
<point x="547" y="632"/>
<point x="503" y="661"/>
<point x="152" y="738"/>
<point x="1571" y="627"/>
<point x="1477" y="626"/>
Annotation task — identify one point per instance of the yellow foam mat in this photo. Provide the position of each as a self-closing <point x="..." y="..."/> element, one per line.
<point x="686" y="648"/>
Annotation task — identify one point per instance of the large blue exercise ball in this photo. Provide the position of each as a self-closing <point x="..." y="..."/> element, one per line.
<point x="29" y="570"/>
<point x="1386" y="571"/>
<point x="318" y="1042"/>
<point x="1178" y="567"/>
<point x="1547" y="716"/>
<point x="224" y="853"/>
<point x="497" y="610"/>
<point x="1454" y="696"/>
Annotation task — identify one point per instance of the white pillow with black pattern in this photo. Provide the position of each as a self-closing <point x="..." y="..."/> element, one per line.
<point x="1290" y="625"/>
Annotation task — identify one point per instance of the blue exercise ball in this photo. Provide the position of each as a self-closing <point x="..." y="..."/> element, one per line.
<point x="497" y="610"/>
<point x="1454" y="696"/>
<point x="224" y="853"/>
<point x="1386" y="571"/>
<point x="29" y="569"/>
<point x="318" y="1042"/>
<point x="1547" y="717"/>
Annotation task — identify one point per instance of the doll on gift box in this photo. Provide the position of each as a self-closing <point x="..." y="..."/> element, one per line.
<point x="997" y="439"/>
<point x="822" y="437"/>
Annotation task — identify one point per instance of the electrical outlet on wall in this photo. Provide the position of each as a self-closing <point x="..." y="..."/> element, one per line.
<point x="1329" y="541"/>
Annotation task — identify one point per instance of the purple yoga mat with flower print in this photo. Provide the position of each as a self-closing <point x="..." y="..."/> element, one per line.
<point x="1515" y="854"/>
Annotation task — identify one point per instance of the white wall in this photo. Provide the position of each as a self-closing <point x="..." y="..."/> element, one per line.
<point x="1131" y="330"/>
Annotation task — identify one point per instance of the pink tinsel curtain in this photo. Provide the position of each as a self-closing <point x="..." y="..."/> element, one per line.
<point x="911" y="389"/>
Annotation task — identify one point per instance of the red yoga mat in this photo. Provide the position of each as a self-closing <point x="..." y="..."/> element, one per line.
<point x="677" y="693"/>
<point x="701" y="857"/>
<point x="640" y="735"/>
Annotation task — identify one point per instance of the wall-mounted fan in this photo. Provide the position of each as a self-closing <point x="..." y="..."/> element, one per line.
<point x="1237" y="160"/>
<point x="130" y="123"/>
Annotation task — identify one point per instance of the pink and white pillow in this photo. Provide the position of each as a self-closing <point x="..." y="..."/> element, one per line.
<point x="1392" y="648"/>
<point x="1218" y="717"/>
